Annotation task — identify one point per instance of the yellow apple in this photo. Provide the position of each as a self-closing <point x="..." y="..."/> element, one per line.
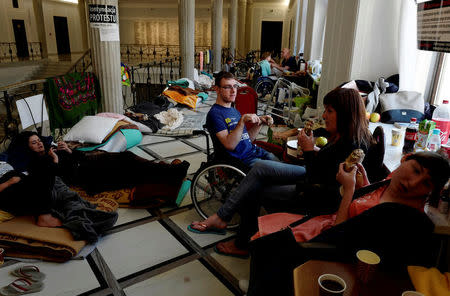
<point x="321" y="141"/>
<point x="368" y="115"/>
<point x="374" y="117"/>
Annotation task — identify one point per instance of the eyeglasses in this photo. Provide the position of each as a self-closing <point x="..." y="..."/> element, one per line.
<point x="228" y="87"/>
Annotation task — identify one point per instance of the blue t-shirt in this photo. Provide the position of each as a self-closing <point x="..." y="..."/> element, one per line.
<point x="265" y="68"/>
<point x="221" y="118"/>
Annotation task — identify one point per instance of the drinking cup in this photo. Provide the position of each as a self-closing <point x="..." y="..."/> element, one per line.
<point x="367" y="265"/>
<point x="396" y="137"/>
<point x="331" y="285"/>
<point x="412" y="293"/>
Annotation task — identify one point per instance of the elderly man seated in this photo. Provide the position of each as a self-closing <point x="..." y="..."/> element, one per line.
<point x="227" y="126"/>
<point x="288" y="62"/>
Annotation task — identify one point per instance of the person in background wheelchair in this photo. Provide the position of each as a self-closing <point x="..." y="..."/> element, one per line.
<point x="227" y="127"/>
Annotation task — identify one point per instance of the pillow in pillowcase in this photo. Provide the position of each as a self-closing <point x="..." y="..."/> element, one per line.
<point x="91" y="129"/>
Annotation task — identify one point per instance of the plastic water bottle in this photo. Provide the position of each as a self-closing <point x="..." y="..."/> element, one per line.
<point x="434" y="142"/>
<point x="441" y="115"/>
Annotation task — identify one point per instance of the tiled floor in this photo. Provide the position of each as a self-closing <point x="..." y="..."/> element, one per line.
<point x="150" y="252"/>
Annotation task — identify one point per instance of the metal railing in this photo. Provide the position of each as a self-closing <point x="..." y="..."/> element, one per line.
<point x="8" y="52"/>
<point x="149" y="79"/>
<point x="83" y="64"/>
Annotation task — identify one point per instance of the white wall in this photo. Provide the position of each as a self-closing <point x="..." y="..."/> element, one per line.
<point x="376" y="50"/>
<point x="360" y="42"/>
<point x="51" y="8"/>
<point x="268" y="12"/>
<point x="71" y="12"/>
<point x="24" y="12"/>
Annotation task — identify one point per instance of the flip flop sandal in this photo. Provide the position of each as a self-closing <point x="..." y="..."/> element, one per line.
<point x="241" y="256"/>
<point x="21" y="286"/>
<point x="30" y="272"/>
<point x="207" y="230"/>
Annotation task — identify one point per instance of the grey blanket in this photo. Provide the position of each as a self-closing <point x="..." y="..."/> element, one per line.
<point x="78" y="215"/>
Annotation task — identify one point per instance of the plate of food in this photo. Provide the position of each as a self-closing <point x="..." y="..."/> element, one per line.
<point x="292" y="144"/>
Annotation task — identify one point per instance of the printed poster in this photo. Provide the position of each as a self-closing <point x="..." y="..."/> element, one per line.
<point x="433" y="25"/>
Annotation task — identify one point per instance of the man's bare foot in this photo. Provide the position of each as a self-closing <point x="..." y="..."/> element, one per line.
<point x="47" y="220"/>
<point x="213" y="222"/>
<point x="229" y="248"/>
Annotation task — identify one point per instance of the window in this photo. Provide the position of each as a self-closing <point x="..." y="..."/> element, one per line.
<point x="443" y="85"/>
<point x="15" y="3"/>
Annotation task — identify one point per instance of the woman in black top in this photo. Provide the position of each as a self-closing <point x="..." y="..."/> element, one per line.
<point x="273" y="184"/>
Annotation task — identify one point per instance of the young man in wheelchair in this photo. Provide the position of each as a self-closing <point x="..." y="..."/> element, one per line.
<point x="227" y="127"/>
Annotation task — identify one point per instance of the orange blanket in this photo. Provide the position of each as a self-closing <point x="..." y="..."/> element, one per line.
<point x="22" y="238"/>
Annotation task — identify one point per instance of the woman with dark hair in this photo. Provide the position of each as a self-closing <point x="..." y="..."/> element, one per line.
<point x="41" y="193"/>
<point x="280" y="186"/>
<point x="102" y="171"/>
<point x="388" y="220"/>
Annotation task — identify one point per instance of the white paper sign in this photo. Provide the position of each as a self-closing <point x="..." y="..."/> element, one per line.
<point x="102" y="16"/>
<point x="32" y="110"/>
<point x="109" y="34"/>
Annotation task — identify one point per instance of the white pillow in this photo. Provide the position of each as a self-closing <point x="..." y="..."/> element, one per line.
<point x="91" y="129"/>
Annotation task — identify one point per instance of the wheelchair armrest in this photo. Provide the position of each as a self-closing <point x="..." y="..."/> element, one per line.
<point x="200" y="132"/>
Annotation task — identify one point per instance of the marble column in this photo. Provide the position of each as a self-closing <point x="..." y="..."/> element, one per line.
<point x="106" y="63"/>
<point x="232" y="23"/>
<point x="296" y="28"/>
<point x="242" y="9"/>
<point x="216" y="33"/>
<point x="186" y="24"/>
<point x="42" y="35"/>
<point x="248" y="26"/>
<point x="84" y="24"/>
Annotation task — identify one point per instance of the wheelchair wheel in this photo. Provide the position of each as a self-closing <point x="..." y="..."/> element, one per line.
<point x="264" y="87"/>
<point x="212" y="185"/>
<point x="241" y="69"/>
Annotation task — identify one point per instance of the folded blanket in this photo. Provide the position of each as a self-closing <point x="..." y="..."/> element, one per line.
<point x="21" y="237"/>
<point x="429" y="281"/>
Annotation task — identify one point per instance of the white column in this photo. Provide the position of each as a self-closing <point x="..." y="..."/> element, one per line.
<point x="232" y="23"/>
<point x="241" y="27"/>
<point x="315" y="26"/>
<point x="216" y="33"/>
<point x="248" y="26"/>
<point x="186" y="23"/>
<point x="39" y="16"/>
<point x="296" y="27"/>
<point x="302" y="25"/>
<point x="106" y="63"/>
<point x="83" y="23"/>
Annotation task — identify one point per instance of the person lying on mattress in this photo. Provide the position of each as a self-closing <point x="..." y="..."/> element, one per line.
<point x="103" y="171"/>
<point x="42" y="194"/>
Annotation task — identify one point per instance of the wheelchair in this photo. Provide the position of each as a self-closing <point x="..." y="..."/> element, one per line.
<point x="263" y="85"/>
<point x="216" y="180"/>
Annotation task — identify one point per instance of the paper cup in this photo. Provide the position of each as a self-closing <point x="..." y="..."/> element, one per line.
<point x="331" y="285"/>
<point x="412" y="293"/>
<point x="367" y="264"/>
<point x="396" y="137"/>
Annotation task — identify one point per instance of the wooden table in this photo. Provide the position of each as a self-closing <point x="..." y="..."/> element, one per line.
<point x="306" y="275"/>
